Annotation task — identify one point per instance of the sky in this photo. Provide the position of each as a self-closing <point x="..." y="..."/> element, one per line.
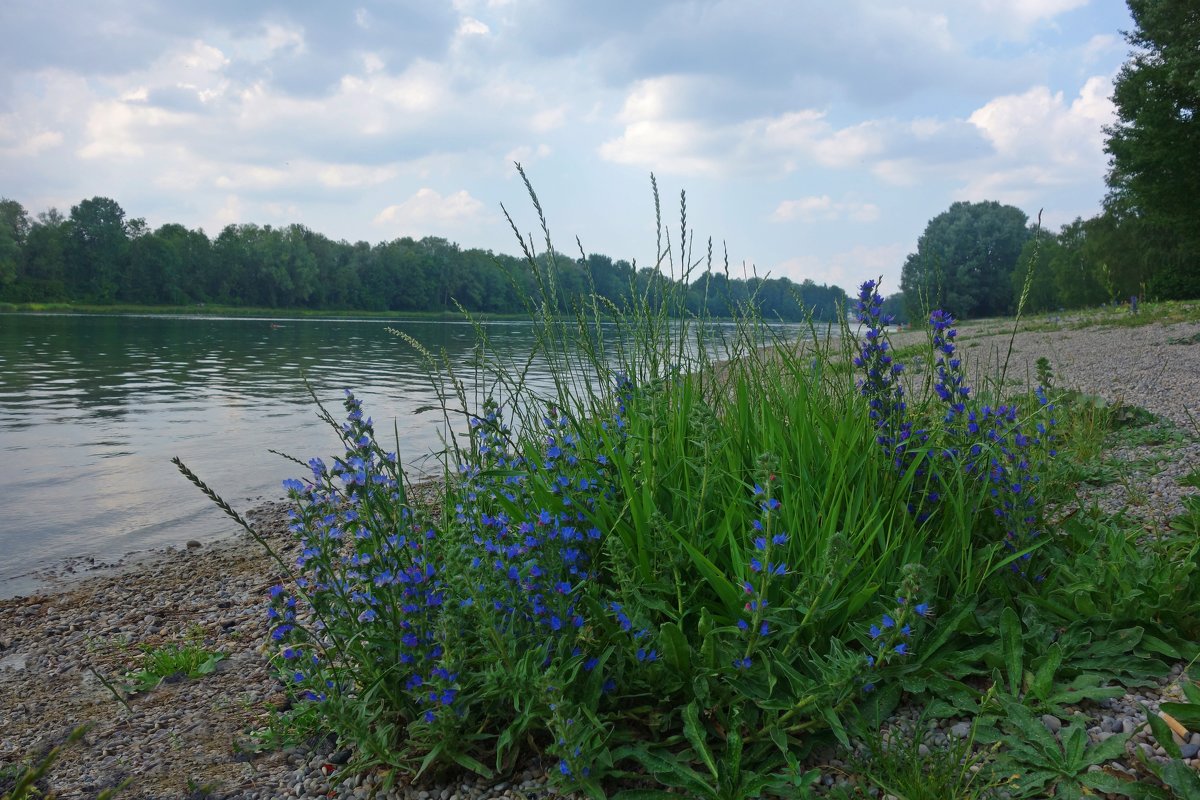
<point x="814" y="139"/>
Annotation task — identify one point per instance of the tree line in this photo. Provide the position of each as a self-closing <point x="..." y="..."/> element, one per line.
<point x="980" y="259"/>
<point x="96" y="255"/>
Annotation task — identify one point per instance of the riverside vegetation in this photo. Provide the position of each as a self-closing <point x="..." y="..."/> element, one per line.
<point x="696" y="574"/>
<point x="689" y="573"/>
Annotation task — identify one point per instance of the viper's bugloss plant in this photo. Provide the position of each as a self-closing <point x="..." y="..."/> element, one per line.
<point x="359" y="631"/>
<point x="992" y="444"/>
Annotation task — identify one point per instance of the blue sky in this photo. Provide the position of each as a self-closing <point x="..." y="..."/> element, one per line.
<point x="814" y="139"/>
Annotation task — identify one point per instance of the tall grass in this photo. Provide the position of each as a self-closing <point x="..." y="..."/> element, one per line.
<point x="687" y="557"/>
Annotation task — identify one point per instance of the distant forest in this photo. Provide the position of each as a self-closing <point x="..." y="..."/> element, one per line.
<point x="95" y="255"/>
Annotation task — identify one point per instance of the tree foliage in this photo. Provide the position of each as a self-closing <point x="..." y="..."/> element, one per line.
<point x="98" y="255"/>
<point x="965" y="259"/>
<point x="1154" y="176"/>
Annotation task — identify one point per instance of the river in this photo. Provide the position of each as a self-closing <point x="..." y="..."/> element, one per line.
<point x="93" y="408"/>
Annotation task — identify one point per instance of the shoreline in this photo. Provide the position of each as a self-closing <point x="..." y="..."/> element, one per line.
<point x="195" y="732"/>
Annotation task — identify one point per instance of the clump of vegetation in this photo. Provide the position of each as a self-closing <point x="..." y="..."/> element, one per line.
<point x="694" y="555"/>
<point x="173" y="662"/>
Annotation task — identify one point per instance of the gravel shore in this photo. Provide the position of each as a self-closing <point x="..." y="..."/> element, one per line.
<point x="188" y="738"/>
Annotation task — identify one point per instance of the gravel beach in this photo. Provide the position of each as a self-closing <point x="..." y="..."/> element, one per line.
<point x="186" y="738"/>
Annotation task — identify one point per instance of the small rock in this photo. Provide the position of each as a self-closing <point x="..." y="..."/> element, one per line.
<point x="1189" y="750"/>
<point x="1052" y="723"/>
<point x="192" y="544"/>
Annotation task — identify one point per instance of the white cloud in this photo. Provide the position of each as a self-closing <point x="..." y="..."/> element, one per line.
<point x="1017" y="18"/>
<point x="679" y="147"/>
<point x="525" y="155"/>
<point x="14" y="144"/>
<point x="823" y="208"/>
<point x="116" y="129"/>
<point x="549" y="119"/>
<point x="273" y="40"/>
<point x="469" y="26"/>
<point x="428" y="211"/>
<point x="230" y="213"/>
<point x="245" y="176"/>
<point x="1039" y="127"/>
<point x="1100" y="46"/>
<point x="849" y="268"/>
<point x="346" y="176"/>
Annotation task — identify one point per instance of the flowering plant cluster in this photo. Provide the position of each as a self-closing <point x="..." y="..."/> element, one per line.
<point x="362" y="618"/>
<point x="988" y="443"/>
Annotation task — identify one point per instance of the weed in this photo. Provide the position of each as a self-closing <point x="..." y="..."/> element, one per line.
<point x="172" y="662"/>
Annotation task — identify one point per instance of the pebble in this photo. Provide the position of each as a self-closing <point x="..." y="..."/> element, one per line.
<point x="961" y="730"/>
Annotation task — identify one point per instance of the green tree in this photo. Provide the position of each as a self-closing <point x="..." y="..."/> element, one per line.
<point x="965" y="259"/>
<point x="97" y="249"/>
<point x="1037" y="255"/>
<point x="43" y="263"/>
<point x="1154" y="174"/>
<point x="14" y="227"/>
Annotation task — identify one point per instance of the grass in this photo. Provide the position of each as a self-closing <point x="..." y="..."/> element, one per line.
<point x="173" y="662"/>
<point x="1167" y="312"/>
<point x="690" y="561"/>
<point x="908" y="764"/>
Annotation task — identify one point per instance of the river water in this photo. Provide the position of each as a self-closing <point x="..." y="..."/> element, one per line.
<point x="93" y="408"/>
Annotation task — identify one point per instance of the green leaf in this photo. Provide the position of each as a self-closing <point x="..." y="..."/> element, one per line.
<point x="210" y="664"/>
<point x="875" y="708"/>
<point x="1043" y="677"/>
<point x="1032" y="734"/>
<point x="644" y="794"/>
<point x="465" y="761"/>
<point x="666" y="769"/>
<point x="1162" y="733"/>
<point x="1190" y="690"/>
<point x="1013" y="649"/>
<point x="1111" y="749"/>
<point x="1111" y="784"/>
<point x="1182" y="779"/>
<point x="697" y="735"/>
<point x="1068" y="790"/>
<point x="676" y="652"/>
<point x="835" y="724"/>
<point x="1074" y="743"/>
<point x="730" y="595"/>
<point x="1153" y="644"/>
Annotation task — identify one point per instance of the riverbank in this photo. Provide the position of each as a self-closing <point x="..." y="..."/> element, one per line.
<point x="189" y="734"/>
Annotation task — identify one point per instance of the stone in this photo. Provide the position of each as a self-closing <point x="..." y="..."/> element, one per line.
<point x="1052" y="723"/>
<point x="192" y="544"/>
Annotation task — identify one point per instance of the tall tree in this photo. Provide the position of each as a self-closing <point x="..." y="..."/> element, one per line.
<point x="97" y="251"/>
<point x="1154" y="173"/>
<point x="14" y="226"/>
<point x="964" y="260"/>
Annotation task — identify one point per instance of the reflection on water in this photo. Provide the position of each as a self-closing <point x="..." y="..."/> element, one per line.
<point x="92" y="408"/>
